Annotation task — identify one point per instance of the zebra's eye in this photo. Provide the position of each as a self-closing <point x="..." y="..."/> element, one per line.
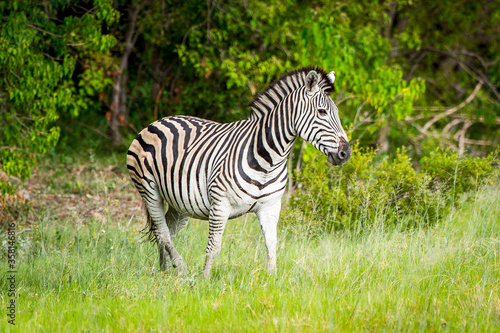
<point x="322" y="112"/>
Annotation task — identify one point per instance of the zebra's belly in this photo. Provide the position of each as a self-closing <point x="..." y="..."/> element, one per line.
<point x="241" y="209"/>
<point x="193" y="211"/>
<point x="202" y="213"/>
<point x="197" y="205"/>
<point x="234" y="208"/>
<point x="259" y="200"/>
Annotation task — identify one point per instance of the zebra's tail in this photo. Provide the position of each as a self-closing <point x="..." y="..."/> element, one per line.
<point x="149" y="229"/>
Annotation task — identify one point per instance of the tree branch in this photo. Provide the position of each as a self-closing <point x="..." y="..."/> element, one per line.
<point x="416" y="62"/>
<point x="460" y="136"/>
<point x="32" y="26"/>
<point x="452" y="110"/>
<point x="476" y="74"/>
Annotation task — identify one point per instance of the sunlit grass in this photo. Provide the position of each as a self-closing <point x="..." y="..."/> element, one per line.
<point x="102" y="276"/>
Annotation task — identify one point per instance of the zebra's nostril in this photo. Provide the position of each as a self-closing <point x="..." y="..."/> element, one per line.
<point x="342" y="154"/>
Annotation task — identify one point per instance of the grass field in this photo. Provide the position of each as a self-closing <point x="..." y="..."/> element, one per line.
<point x="94" y="273"/>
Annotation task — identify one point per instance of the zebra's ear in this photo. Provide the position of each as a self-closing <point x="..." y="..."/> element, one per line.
<point x="312" y="79"/>
<point x="331" y="76"/>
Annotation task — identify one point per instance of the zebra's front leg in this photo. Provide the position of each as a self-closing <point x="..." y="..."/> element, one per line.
<point x="217" y="223"/>
<point x="268" y="217"/>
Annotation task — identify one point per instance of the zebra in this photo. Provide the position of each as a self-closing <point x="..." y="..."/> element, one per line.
<point x="218" y="171"/>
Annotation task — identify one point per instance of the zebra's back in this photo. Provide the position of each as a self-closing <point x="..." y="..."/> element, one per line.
<point x="183" y="157"/>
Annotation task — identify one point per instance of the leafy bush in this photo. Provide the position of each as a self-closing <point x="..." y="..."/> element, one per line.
<point x="457" y="175"/>
<point x="364" y="192"/>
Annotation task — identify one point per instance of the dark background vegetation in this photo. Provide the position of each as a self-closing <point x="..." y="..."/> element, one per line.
<point x="79" y="76"/>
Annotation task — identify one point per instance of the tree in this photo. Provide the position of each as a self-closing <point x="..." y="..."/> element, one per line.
<point x="456" y="53"/>
<point x="42" y="44"/>
<point x="201" y="58"/>
<point x="404" y="77"/>
<point x="374" y="96"/>
<point x="117" y="113"/>
<point x="417" y="73"/>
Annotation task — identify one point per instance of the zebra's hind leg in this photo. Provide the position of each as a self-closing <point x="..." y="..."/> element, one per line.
<point x="216" y="224"/>
<point x="175" y="221"/>
<point x="156" y="211"/>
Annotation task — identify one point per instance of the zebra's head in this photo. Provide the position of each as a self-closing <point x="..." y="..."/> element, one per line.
<point x="320" y="123"/>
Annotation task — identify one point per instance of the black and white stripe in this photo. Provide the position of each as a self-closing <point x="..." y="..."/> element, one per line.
<point x="207" y="170"/>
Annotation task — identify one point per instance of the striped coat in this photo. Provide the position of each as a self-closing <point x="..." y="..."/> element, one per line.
<point x="208" y="170"/>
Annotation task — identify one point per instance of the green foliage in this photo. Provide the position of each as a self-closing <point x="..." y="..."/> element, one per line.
<point x="397" y="65"/>
<point x="453" y="55"/>
<point x="37" y="65"/>
<point x="364" y="192"/>
<point x="457" y="175"/>
<point x="231" y="56"/>
<point x="390" y="56"/>
<point x="359" y="55"/>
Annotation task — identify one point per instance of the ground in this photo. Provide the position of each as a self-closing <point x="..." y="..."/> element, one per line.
<point x="79" y="192"/>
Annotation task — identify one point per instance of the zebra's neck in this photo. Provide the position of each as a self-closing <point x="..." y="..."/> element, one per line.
<point x="275" y="133"/>
<point x="274" y="112"/>
<point x="270" y="98"/>
<point x="267" y="100"/>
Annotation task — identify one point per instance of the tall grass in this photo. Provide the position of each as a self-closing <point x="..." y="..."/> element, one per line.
<point x="102" y="277"/>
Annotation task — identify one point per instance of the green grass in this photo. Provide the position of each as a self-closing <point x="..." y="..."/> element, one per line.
<point x="101" y="277"/>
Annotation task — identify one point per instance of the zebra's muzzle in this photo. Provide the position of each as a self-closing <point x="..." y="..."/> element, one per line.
<point x="342" y="154"/>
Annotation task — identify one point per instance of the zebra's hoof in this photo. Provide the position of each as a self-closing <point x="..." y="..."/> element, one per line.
<point x="181" y="270"/>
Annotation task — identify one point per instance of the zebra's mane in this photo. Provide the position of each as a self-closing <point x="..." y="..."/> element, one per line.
<point x="265" y="100"/>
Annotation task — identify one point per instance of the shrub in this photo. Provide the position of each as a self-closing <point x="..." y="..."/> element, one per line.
<point x="364" y="192"/>
<point x="457" y="175"/>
